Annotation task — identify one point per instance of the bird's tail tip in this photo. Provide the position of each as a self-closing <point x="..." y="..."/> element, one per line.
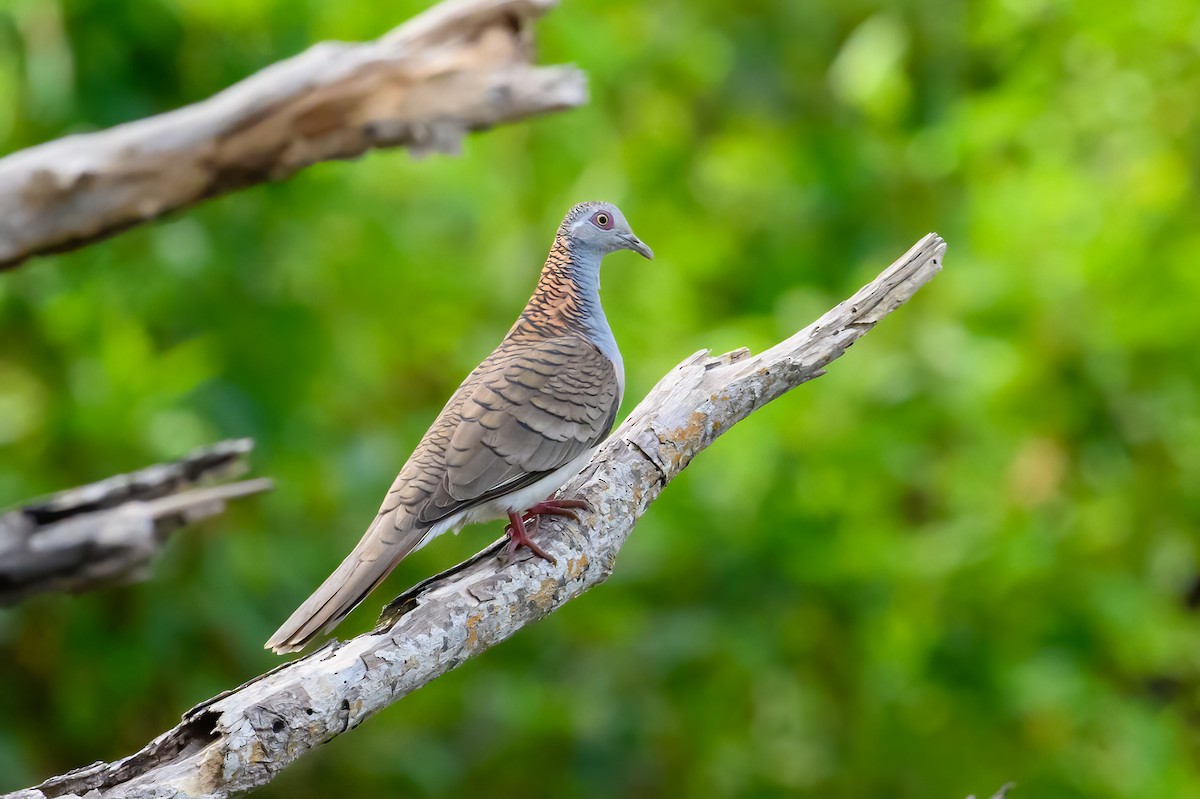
<point x="358" y="575"/>
<point x="299" y="630"/>
<point x="283" y="647"/>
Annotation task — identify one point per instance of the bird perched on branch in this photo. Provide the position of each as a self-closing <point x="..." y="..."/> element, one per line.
<point x="521" y="424"/>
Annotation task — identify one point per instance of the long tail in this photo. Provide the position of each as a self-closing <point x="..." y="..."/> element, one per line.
<point x="382" y="547"/>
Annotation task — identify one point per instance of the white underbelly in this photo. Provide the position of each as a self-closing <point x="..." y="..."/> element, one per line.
<point x="519" y="500"/>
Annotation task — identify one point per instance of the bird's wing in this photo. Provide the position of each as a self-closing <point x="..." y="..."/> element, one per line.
<point x="528" y="410"/>
<point x="543" y="404"/>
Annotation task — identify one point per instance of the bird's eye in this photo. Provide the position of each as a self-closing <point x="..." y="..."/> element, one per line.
<point x="603" y="220"/>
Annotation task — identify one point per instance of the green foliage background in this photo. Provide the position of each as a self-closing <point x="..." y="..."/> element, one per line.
<point x="967" y="555"/>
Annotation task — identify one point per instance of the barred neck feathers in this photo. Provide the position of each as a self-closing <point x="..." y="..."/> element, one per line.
<point x="567" y="300"/>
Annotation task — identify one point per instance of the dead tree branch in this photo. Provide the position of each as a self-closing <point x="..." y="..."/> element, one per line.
<point x="462" y="66"/>
<point x="240" y="740"/>
<point x="95" y="535"/>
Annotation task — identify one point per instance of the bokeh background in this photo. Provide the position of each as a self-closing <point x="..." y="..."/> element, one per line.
<point x="967" y="555"/>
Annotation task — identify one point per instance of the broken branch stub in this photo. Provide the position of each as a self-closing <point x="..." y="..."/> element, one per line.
<point x="462" y="66"/>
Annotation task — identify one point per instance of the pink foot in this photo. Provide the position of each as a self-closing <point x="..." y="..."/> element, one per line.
<point x="519" y="527"/>
<point x="557" y="507"/>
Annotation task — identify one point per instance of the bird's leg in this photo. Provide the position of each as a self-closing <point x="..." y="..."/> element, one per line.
<point x="520" y="527"/>
<point x="556" y="507"/>
<point x="518" y="536"/>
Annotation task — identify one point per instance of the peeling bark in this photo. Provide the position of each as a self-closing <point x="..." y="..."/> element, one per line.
<point x="240" y="740"/>
<point x="464" y="65"/>
<point x="93" y="536"/>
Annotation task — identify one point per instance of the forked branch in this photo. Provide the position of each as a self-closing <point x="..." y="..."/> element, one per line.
<point x="462" y="66"/>
<point x="240" y="740"/>
<point x="102" y="533"/>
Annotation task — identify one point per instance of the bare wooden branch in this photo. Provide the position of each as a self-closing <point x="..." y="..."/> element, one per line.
<point x="241" y="739"/>
<point x="89" y="537"/>
<point x="464" y="65"/>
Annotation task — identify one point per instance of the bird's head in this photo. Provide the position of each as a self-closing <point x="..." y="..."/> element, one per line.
<point x="601" y="227"/>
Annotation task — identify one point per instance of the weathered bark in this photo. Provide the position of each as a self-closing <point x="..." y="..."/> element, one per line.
<point x="89" y="537"/>
<point x="462" y="66"/>
<point x="241" y="739"/>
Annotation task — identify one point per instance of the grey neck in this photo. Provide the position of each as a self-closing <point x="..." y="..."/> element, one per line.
<point x="585" y="274"/>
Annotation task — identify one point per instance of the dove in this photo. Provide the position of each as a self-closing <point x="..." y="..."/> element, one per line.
<point x="520" y="425"/>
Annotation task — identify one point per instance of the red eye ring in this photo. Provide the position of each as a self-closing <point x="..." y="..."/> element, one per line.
<point x="602" y="220"/>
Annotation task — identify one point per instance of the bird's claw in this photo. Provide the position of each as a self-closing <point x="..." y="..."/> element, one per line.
<point x="557" y="507"/>
<point x="520" y="527"/>
<point x="518" y="536"/>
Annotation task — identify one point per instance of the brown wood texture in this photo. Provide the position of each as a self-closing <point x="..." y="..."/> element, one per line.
<point x="464" y="65"/>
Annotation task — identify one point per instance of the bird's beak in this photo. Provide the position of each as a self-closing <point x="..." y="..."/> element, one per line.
<point x="632" y="242"/>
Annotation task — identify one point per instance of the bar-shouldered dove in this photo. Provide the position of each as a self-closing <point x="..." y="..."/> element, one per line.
<point x="520" y="425"/>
